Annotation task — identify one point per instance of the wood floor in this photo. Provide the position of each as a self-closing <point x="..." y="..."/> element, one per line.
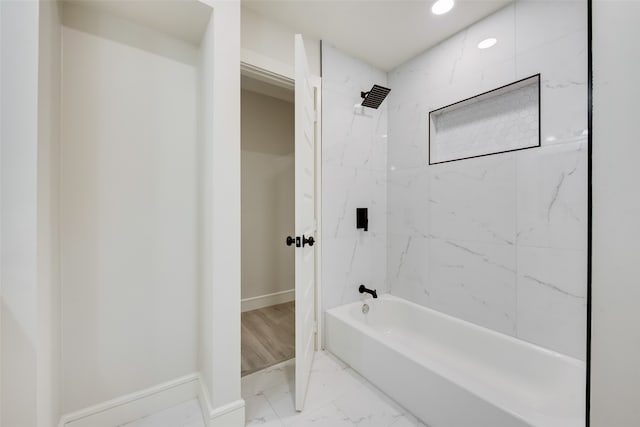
<point x="268" y="336"/>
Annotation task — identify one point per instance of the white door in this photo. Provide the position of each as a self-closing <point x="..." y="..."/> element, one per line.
<point x="305" y="220"/>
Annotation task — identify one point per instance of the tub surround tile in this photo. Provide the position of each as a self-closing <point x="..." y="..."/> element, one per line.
<point x="562" y="65"/>
<point x="343" y="74"/>
<point x="408" y="272"/>
<point x="465" y="57"/>
<point x="562" y="271"/>
<point x="559" y="17"/>
<point x="474" y="199"/>
<point x="552" y="299"/>
<point x="353" y="262"/>
<point x="449" y="65"/>
<point x="354" y="175"/>
<point x="451" y="236"/>
<point x="344" y="190"/>
<point x="352" y="137"/>
<point x="461" y="235"/>
<point x="408" y="202"/>
<point x="357" y="137"/>
<point x="552" y="197"/>
<point x="475" y="282"/>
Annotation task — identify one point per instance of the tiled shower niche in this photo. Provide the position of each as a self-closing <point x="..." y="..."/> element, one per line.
<point x="501" y="120"/>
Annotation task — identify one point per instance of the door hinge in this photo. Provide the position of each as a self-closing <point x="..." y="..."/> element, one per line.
<point x="315" y="327"/>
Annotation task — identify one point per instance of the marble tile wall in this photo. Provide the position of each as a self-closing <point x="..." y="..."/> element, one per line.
<point x="499" y="240"/>
<point x="354" y="163"/>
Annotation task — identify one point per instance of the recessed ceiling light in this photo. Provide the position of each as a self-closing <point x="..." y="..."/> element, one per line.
<point x="442" y="6"/>
<point x="487" y="43"/>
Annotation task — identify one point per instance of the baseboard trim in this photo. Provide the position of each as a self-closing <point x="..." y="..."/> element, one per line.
<point x="136" y="405"/>
<point x="267" y="300"/>
<point x="205" y="402"/>
<point x="233" y="416"/>
<point x="139" y="404"/>
<point x="229" y="415"/>
<point x="227" y="409"/>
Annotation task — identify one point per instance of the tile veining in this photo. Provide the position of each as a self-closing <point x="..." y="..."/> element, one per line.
<point x="337" y="396"/>
<point x="552" y="286"/>
<point x="497" y="240"/>
<point x="354" y="157"/>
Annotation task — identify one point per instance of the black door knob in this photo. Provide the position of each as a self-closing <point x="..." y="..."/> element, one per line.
<point x="308" y="240"/>
<point x="290" y="240"/>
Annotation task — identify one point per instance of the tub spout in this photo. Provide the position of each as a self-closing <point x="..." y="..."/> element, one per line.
<point x="373" y="293"/>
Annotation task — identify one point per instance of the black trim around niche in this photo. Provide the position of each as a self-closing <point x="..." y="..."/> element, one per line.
<point x="479" y="95"/>
<point x="589" y="203"/>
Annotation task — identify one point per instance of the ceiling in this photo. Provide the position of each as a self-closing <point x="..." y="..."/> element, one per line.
<point x="384" y="33"/>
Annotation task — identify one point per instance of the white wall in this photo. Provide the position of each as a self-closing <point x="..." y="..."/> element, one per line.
<point x="19" y="324"/>
<point x="267" y="195"/>
<point x="28" y="200"/>
<point x="205" y="241"/>
<point x="220" y="268"/>
<point x="616" y="209"/>
<point x="498" y="240"/>
<point x="269" y="44"/>
<point x="49" y="290"/>
<point x="129" y="209"/>
<point x="354" y="161"/>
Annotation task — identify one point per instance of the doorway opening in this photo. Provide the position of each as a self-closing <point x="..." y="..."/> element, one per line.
<point x="267" y="199"/>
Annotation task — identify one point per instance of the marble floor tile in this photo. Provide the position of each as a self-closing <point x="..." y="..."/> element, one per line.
<point x="368" y="407"/>
<point x="258" y="411"/>
<point x="327" y="416"/>
<point x="408" y="421"/>
<point x="337" y="397"/>
<point x="275" y="375"/>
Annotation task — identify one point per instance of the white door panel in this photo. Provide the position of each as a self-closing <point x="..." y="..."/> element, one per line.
<point x="304" y="221"/>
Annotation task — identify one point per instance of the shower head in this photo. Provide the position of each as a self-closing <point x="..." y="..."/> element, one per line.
<point x="374" y="97"/>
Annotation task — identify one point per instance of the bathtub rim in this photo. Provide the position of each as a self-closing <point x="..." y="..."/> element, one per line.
<point x="517" y="409"/>
<point x="340" y="311"/>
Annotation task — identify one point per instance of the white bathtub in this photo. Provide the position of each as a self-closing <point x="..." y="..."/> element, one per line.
<point x="452" y="373"/>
